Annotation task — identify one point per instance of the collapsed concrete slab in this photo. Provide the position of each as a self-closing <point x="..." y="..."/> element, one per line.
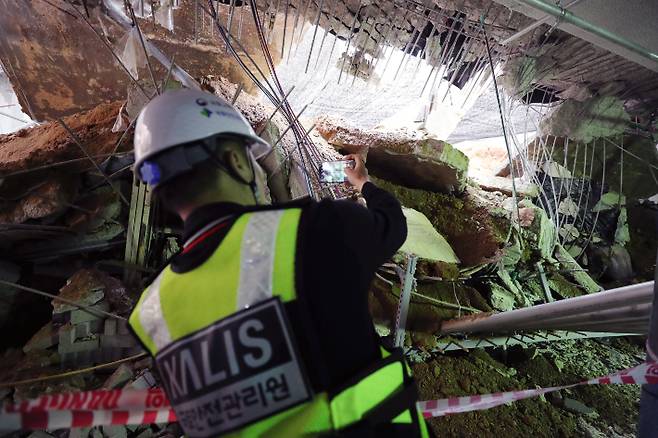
<point x="475" y="235"/>
<point x="50" y="143"/>
<point x="400" y="157"/>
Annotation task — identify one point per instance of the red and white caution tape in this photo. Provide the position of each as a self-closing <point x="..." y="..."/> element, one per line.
<point x="121" y="407"/>
<point x="89" y="408"/>
<point x="639" y="375"/>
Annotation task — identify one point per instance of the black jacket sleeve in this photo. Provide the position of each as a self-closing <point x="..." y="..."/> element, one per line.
<point x="341" y="244"/>
<point x="374" y="233"/>
<point x="389" y="226"/>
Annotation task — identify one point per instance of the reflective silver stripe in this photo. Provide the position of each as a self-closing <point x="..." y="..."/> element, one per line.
<point x="151" y="317"/>
<point x="257" y="258"/>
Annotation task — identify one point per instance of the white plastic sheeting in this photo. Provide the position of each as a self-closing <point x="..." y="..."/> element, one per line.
<point x="164" y="15"/>
<point x="132" y="54"/>
<point x="12" y="118"/>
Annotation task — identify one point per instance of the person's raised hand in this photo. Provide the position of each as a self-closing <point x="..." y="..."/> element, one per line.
<point x="357" y="175"/>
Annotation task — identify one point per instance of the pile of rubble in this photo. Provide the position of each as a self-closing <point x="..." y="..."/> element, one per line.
<point x="71" y="232"/>
<point x="482" y="250"/>
<point x="491" y="251"/>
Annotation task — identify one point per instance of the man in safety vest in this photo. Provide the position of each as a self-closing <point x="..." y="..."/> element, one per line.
<point x="260" y="326"/>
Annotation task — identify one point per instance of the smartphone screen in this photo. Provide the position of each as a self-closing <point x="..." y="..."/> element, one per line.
<point x="334" y="171"/>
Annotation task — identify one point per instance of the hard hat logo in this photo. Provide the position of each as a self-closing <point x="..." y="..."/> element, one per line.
<point x="206" y="112"/>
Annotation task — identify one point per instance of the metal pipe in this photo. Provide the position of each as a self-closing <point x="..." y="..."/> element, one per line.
<point x="569" y="17"/>
<point x="635" y="311"/>
<point x="535" y="25"/>
<point x="614" y="324"/>
<point x="623" y="296"/>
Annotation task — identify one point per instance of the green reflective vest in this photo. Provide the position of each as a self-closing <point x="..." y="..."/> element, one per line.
<point x="255" y="262"/>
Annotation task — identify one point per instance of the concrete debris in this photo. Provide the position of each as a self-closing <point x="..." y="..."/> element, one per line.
<point x="473" y="233"/>
<point x="526" y="216"/>
<point x="45" y="338"/>
<point x="501" y="299"/>
<point x="400" y="157"/>
<point x="577" y="407"/>
<point x="50" y="143"/>
<point x="46" y="198"/>
<point x="601" y="116"/>
<point x="504" y="185"/>
<point x="120" y="377"/>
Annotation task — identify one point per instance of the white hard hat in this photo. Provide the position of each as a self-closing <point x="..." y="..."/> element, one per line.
<point x="172" y="126"/>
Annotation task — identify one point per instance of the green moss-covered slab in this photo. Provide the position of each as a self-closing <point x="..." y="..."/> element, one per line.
<point x="600" y="116"/>
<point x="575" y="270"/>
<point x="514" y="287"/>
<point x="424" y="241"/>
<point x="471" y="230"/>
<point x="401" y="157"/>
<point x="546" y="232"/>
<point x="563" y="287"/>
<point x="500" y="298"/>
<point x="427" y="164"/>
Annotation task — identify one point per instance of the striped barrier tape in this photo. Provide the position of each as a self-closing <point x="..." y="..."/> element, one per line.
<point x="123" y="407"/>
<point x="644" y="373"/>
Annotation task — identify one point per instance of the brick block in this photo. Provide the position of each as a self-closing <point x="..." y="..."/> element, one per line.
<point x="117" y="341"/>
<point x="110" y="326"/>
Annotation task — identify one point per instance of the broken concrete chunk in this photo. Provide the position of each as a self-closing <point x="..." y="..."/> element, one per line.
<point x="342" y="136"/>
<point x="577" y="407"/>
<point x="555" y="170"/>
<point x="622" y="233"/>
<point x="500" y="298"/>
<point x="520" y="299"/>
<point x="45" y="338"/>
<point x="466" y="222"/>
<point x="563" y="287"/>
<point x="85" y="288"/>
<point x="401" y="157"/>
<point x="95" y="209"/>
<point x="504" y="185"/>
<point x="48" y="197"/>
<point x="578" y="92"/>
<point x="428" y="164"/>
<point x="600" y="116"/>
<point x="512" y="253"/>
<point x="424" y="241"/>
<point x="119" y="377"/>
<point x="519" y="75"/>
<point x="50" y="143"/>
<point x="526" y="216"/>
<point x="609" y="201"/>
<point x="546" y="232"/>
<point x="568" y="207"/>
<point x="581" y="277"/>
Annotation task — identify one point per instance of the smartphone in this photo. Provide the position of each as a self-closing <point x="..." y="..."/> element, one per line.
<point x="334" y="171"/>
